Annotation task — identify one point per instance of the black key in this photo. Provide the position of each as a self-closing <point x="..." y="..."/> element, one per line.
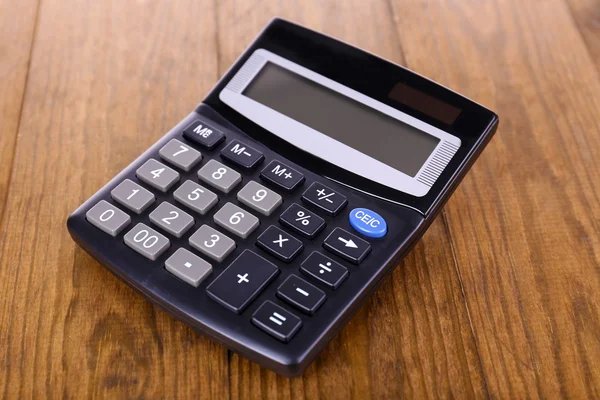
<point x="282" y="176"/>
<point x="324" y="269"/>
<point x="301" y="294"/>
<point x="276" y="321"/>
<point x="242" y="154"/>
<point x="347" y="245"/>
<point x="301" y="220"/>
<point x="204" y="134"/>
<point x="242" y="281"/>
<point x="279" y="243"/>
<point x="324" y="198"/>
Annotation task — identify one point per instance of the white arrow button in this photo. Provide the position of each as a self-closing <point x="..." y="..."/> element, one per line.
<point x="349" y="242"/>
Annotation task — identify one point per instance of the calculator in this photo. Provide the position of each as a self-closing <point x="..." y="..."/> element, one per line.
<point x="266" y="217"/>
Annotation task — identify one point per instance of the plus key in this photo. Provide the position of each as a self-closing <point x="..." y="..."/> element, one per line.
<point x="242" y="281"/>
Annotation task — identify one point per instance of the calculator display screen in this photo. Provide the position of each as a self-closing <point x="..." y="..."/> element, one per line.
<point x="357" y="125"/>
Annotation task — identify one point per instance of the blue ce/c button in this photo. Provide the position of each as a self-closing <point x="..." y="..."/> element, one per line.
<point x="368" y="223"/>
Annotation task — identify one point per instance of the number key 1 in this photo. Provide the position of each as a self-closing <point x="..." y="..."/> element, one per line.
<point x="132" y="196"/>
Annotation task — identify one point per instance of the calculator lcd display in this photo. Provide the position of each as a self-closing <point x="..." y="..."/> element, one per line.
<point x="361" y="127"/>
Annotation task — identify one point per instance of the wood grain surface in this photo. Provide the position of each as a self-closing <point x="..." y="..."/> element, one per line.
<point x="499" y="299"/>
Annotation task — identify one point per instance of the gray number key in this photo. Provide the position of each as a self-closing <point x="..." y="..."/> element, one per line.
<point x="259" y="198"/>
<point x="146" y="241"/>
<point x="188" y="267"/>
<point x="212" y="243"/>
<point x="171" y="219"/>
<point x="132" y="196"/>
<point x="108" y="218"/>
<point x="196" y="197"/>
<point x="179" y="154"/>
<point x="157" y="175"/>
<point x="236" y="220"/>
<point x="219" y="176"/>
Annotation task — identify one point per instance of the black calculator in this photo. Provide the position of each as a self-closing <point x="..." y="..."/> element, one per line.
<point x="267" y="215"/>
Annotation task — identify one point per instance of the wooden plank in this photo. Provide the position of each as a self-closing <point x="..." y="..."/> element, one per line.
<point x="524" y="224"/>
<point x="107" y="79"/>
<point x="17" y="21"/>
<point x="586" y="14"/>
<point x="411" y="338"/>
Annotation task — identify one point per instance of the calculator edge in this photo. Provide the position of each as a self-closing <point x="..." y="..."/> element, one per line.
<point x="281" y="363"/>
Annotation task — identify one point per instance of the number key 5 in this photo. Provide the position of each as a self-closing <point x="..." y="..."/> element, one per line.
<point x="196" y="197"/>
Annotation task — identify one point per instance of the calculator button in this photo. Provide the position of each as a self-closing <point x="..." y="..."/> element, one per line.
<point x="180" y="155"/>
<point x="188" y="267"/>
<point x="146" y="241"/>
<point x="219" y="176"/>
<point x="282" y="176"/>
<point x="132" y="196"/>
<point x="242" y="154"/>
<point x="107" y="218"/>
<point x="367" y="223"/>
<point x="301" y="220"/>
<point x="347" y="245"/>
<point x="242" y="281"/>
<point x="196" y="197"/>
<point x="171" y="219"/>
<point x="301" y="294"/>
<point x="276" y="321"/>
<point x="324" y="270"/>
<point x="324" y="198"/>
<point x="157" y="175"/>
<point x="204" y="134"/>
<point x="279" y="243"/>
<point x="259" y="198"/>
<point x="236" y="220"/>
<point x="212" y="243"/>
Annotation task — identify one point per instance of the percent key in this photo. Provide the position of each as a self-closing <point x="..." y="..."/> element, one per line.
<point x="302" y="221"/>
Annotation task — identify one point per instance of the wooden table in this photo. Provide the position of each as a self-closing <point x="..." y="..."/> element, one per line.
<point x="499" y="299"/>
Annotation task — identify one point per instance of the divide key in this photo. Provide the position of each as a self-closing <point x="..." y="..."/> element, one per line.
<point x="347" y="245"/>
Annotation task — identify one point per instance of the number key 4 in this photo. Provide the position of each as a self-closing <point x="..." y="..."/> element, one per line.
<point x="157" y="175"/>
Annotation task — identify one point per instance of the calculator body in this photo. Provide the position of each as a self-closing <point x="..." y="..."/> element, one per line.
<point x="331" y="229"/>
